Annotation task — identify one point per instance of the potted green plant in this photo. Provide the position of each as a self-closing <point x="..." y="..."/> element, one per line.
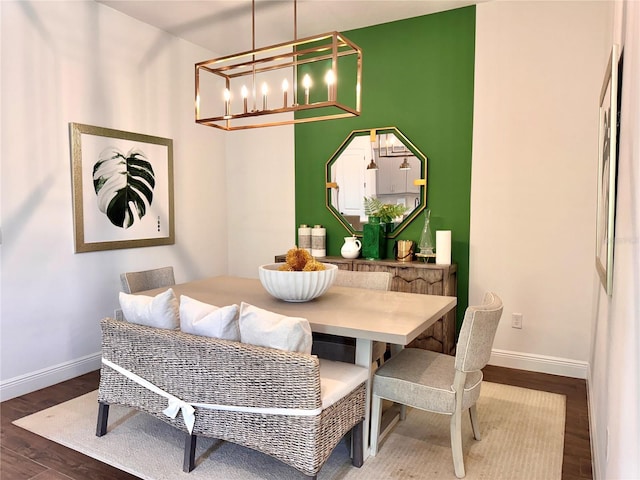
<point x="386" y="212"/>
<point x="374" y="232"/>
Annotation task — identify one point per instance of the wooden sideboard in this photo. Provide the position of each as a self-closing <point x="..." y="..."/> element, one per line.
<point x="414" y="277"/>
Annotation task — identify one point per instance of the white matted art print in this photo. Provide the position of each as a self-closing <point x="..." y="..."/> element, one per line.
<point x="607" y="166"/>
<point x="122" y="189"/>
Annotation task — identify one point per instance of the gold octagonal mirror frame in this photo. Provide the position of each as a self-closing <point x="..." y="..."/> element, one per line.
<point x="379" y="162"/>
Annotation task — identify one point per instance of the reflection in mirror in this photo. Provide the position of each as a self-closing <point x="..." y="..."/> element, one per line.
<point x="380" y="163"/>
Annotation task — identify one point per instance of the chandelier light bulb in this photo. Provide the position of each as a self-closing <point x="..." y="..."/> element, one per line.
<point x="306" y="81"/>
<point x="330" y="78"/>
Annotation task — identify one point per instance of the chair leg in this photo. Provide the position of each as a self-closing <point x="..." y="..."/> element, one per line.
<point x="358" y="455"/>
<point x="456" y="443"/>
<point x="103" y="415"/>
<point x="475" y="423"/>
<point x="189" y="453"/>
<point x="376" y="417"/>
<point x="403" y="412"/>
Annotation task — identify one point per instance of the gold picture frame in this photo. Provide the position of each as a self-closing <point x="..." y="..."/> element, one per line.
<point x="607" y="165"/>
<point x="122" y="189"/>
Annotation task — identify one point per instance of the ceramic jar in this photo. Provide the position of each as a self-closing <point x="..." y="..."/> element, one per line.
<point x="318" y="241"/>
<point x="351" y="247"/>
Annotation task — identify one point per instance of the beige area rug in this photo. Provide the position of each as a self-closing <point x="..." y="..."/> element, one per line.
<point x="522" y="438"/>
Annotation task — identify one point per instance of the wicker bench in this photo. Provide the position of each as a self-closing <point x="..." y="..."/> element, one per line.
<point x="238" y="392"/>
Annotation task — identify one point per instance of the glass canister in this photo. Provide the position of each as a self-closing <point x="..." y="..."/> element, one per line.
<point x="426" y="245"/>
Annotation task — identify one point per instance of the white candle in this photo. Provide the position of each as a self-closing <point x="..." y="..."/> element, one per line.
<point x="227" y="102"/>
<point x="265" y="90"/>
<point x="306" y="83"/>
<point x="330" y="79"/>
<point x="245" y="94"/>
<point x="285" y="87"/>
<point x="443" y="247"/>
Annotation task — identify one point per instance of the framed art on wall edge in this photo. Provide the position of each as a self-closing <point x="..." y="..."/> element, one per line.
<point x="122" y="189"/>
<point x="607" y="165"/>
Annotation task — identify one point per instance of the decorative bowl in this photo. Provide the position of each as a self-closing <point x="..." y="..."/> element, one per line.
<point x="296" y="286"/>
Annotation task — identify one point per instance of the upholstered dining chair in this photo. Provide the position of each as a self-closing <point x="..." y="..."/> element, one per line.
<point x="133" y="282"/>
<point x="441" y="383"/>
<point x="343" y="349"/>
<point x="355" y="279"/>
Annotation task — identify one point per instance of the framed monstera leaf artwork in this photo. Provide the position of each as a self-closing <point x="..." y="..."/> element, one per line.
<point x="122" y="189"/>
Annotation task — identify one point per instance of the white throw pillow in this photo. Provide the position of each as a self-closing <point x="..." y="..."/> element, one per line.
<point x="269" y="329"/>
<point x="200" y="318"/>
<point x="161" y="311"/>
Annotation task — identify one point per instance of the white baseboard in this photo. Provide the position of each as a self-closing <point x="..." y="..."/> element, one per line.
<point x="539" y="363"/>
<point x="30" y="382"/>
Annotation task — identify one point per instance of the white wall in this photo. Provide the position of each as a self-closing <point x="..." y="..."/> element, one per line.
<point x="83" y="62"/>
<point x="614" y="384"/>
<point x="539" y="68"/>
<point x="261" y="197"/>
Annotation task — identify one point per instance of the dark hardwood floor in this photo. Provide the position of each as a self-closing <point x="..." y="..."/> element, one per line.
<point x="24" y="455"/>
<point x="576" y="463"/>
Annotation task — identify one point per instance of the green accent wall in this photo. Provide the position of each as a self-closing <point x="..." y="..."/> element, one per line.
<point x="417" y="76"/>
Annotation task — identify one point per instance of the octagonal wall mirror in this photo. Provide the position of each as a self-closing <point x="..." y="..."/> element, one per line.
<point x="380" y="163"/>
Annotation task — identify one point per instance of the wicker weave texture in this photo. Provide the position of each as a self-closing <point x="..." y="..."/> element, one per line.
<point x="205" y="370"/>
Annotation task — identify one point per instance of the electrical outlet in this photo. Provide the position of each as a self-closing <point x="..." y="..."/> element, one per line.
<point x="516" y="320"/>
<point x="118" y="314"/>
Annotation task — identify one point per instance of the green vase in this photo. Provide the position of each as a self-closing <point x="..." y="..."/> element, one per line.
<point x="374" y="239"/>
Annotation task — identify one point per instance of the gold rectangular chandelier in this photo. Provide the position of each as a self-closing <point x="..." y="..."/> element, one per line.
<point x="315" y="78"/>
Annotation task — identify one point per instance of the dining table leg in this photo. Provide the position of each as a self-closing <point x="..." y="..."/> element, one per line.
<point x="364" y="351"/>
<point x="402" y="414"/>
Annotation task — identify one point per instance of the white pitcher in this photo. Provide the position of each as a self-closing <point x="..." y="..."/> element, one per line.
<point x="351" y="247"/>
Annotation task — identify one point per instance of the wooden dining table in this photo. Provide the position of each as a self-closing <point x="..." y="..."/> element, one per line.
<point x="365" y="315"/>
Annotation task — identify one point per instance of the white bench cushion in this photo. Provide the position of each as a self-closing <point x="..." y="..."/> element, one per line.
<point x="270" y="329"/>
<point x="338" y="379"/>
<point x="161" y="311"/>
<point x="200" y="318"/>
